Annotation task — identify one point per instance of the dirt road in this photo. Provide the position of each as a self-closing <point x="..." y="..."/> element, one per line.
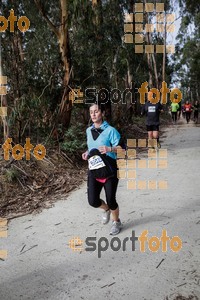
<point x="41" y="265"/>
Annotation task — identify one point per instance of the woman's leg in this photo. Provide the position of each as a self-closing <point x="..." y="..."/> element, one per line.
<point x="115" y="214"/>
<point x="110" y="190"/>
<point x="94" y="189"/>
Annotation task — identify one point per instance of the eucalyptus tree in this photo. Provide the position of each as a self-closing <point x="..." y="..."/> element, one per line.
<point x="187" y="58"/>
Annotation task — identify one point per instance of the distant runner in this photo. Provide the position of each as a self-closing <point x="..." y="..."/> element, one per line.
<point x="174" y="110"/>
<point x="152" y="112"/>
<point x="183" y="110"/>
<point x="188" y="110"/>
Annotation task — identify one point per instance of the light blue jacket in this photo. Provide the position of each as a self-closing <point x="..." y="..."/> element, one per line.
<point x="109" y="137"/>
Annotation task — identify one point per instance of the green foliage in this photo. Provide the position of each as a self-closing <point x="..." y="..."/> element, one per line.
<point x="187" y="58"/>
<point x="97" y="54"/>
<point x="74" y="140"/>
<point x="11" y="175"/>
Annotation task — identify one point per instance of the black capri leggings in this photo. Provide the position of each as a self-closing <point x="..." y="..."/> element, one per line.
<point x="94" y="189"/>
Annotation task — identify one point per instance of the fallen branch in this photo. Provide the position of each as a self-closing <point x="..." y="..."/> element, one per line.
<point x="29" y="249"/>
<point x="68" y="159"/>
<point x="21" y="183"/>
<point x="22" y="171"/>
<point x="160" y="263"/>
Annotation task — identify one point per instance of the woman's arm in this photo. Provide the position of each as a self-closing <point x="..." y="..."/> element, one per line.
<point x="85" y="155"/>
<point x="105" y="149"/>
<point x="114" y="149"/>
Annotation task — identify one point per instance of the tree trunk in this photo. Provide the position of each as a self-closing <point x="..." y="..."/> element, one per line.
<point x="18" y="70"/>
<point x="64" y="113"/>
<point x="164" y="54"/>
<point x="147" y="38"/>
<point x="154" y="63"/>
<point x="63" y="39"/>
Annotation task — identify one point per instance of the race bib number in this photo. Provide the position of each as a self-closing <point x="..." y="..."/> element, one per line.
<point x="95" y="162"/>
<point x="151" y="109"/>
<point x="187" y="109"/>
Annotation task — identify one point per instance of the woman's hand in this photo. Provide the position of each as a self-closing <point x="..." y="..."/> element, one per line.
<point x="104" y="149"/>
<point x="85" y="155"/>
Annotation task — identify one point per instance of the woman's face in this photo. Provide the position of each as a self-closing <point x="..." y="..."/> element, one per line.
<point x="96" y="114"/>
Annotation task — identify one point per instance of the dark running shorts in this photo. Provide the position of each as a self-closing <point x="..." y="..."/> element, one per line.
<point x="153" y="128"/>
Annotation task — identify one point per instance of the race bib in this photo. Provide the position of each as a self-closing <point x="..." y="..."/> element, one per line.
<point x="151" y="109"/>
<point x="95" y="162"/>
<point x="187" y="109"/>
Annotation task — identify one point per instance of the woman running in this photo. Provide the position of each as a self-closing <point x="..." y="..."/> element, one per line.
<point x="188" y="110"/>
<point x="106" y="139"/>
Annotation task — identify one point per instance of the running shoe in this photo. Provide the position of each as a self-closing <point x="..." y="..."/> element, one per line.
<point x="105" y="216"/>
<point x="116" y="227"/>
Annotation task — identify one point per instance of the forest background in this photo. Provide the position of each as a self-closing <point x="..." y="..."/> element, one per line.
<point x="79" y="44"/>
